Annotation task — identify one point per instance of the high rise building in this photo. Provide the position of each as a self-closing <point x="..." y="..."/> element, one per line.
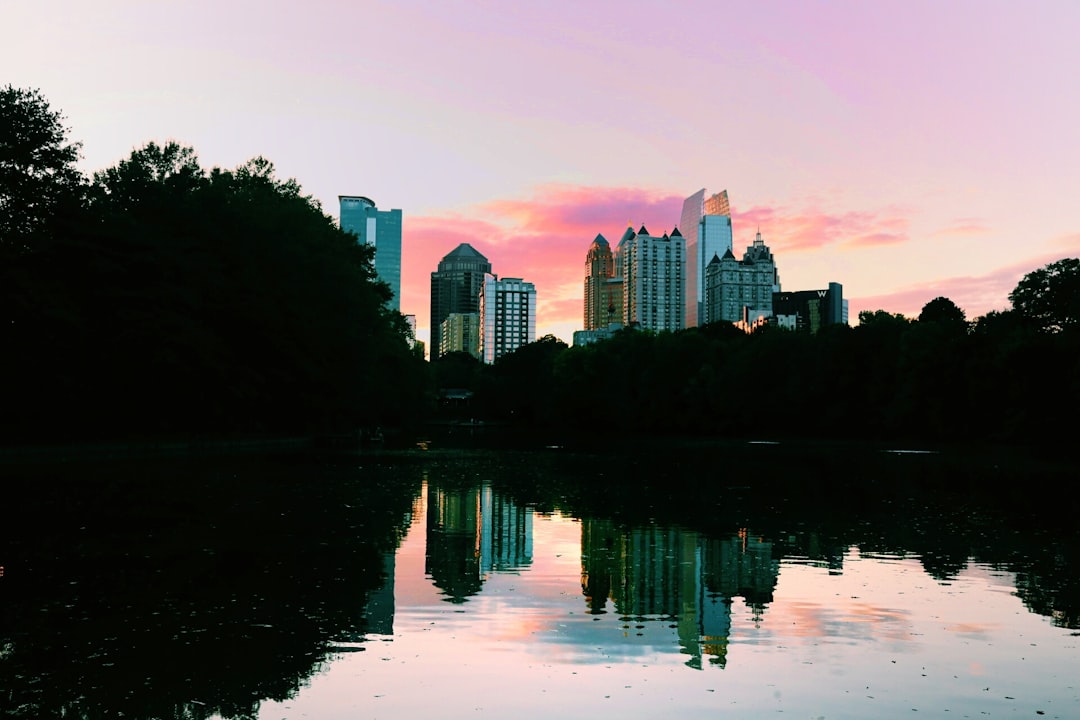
<point x="741" y="290"/>
<point x="455" y="288"/>
<point x="507" y="316"/>
<point x="603" y="288"/>
<point x="460" y="332"/>
<point x="706" y="225"/>
<point x="652" y="270"/>
<point x="380" y="228"/>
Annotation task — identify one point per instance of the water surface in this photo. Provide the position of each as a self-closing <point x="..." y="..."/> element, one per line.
<point x="538" y="585"/>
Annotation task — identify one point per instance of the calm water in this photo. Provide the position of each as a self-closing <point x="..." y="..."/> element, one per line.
<point x="737" y="582"/>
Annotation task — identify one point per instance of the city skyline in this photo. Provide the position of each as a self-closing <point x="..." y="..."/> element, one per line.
<point x="892" y="147"/>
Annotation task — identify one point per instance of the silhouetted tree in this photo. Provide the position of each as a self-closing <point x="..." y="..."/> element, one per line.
<point x="944" y="310"/>
<point x="1049" y="297"/>
<point x="188" y="301"/>
<point x="37" y="168"/>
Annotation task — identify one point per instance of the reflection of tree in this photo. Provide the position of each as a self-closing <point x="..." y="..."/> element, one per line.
<point x="815" y="501"/>
<point x="1049" y="582"/>
<point x="184" y="589"/>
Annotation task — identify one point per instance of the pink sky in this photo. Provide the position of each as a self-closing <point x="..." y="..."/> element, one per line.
<point x="903" y="149"/>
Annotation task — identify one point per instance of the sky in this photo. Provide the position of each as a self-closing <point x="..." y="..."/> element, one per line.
<point x="905" y="149"/>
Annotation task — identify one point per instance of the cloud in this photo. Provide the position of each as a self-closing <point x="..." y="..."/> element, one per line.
<point x="1069" y="242"/>
<point x="542" y="239"/>
<point x="586" y="211"/>
<point x="962" y="227"/>
<point x="975" y="295"/>
<point x="791" y="230"/>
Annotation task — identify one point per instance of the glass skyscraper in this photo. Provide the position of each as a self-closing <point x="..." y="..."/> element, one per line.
<point x="706" y="225"/>
<point x="381" y="228"/>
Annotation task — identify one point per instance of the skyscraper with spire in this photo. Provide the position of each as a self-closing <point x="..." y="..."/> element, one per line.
<point x="741" y="290"/>
<point x="603" y="287"/>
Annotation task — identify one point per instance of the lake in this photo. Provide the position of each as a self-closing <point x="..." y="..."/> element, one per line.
<point x="732" y="580"/>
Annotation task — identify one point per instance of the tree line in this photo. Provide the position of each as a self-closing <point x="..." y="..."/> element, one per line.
<point x="158" y="298"/>
<point x="1009" y="376"/>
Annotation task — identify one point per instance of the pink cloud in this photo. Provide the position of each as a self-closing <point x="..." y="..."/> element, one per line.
<point x="583" y="210"/>
<point x="542" y="239"/>
<point x="787" y="230"/>
<point x="975" y="295"/>
<point x="962" y="227"/>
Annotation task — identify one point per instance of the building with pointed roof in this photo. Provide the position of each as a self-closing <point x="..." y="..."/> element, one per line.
<point x="741" y="290"/>
<point x="653" y="285"/>
<point x="455" y="288"/>
<point x="603" y="287"/>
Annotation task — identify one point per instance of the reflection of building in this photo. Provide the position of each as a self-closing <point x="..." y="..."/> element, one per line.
<point x="603" y="287"/>
<point x="380" y="228"/>
<point x="379" y="610"/>
<point x="706" y="225"/>
<point x="453" y="541"/>
<point x="741" y="290"/>
<point x="506" y="534"/>
<point x="507" y="316"/>
<point x="455" y="288"/>
<point x="472" y="532"/>
<point x="652" y="272"/>
<point x="810" y="310"/>
<point x="661" y="574"/>
<point x="460" y="332"/>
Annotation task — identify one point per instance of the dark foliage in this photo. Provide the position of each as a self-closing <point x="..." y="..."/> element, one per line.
<point x="38" y="178"/>
<point x="935" y="380"/>
<point x="176" y="301"/>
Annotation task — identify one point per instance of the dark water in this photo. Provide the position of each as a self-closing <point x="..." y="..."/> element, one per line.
<point x="732" y="581"/>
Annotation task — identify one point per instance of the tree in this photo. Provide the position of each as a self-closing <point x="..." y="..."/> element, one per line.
<point x="37" y="167"/>
<point x="1049" y="297"/>
<point x="943" y="310"/>
<point x="884" y="318"/>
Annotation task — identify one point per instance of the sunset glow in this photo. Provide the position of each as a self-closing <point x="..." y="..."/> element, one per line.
<point x="903" y="150"/>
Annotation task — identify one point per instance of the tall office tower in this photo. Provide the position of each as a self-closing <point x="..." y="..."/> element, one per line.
<point x="507" y="316"/>
<point x="455" y="288"/>
<point x="741" y="290"/>
<point x="381" y="228"/>
<point x="603" y="289"/>
<point x="706" y="225"/>
<point x="653" y="281"/>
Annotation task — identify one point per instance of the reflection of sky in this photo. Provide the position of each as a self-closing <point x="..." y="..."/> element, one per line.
<point x="879" y="640"/>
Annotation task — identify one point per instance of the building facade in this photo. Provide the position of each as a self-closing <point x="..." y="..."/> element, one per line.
<point x="810" y="310"/>
<point x="460" y="332"/>
<point x="381" y="229"/>
<point x="603" y="288"/>
<point x="455" y="288"/>
<point x="653" y="279"/>
<point x="507" y="316"/>
<point x="706" y="225"/>
<point x="741" y="290"/>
